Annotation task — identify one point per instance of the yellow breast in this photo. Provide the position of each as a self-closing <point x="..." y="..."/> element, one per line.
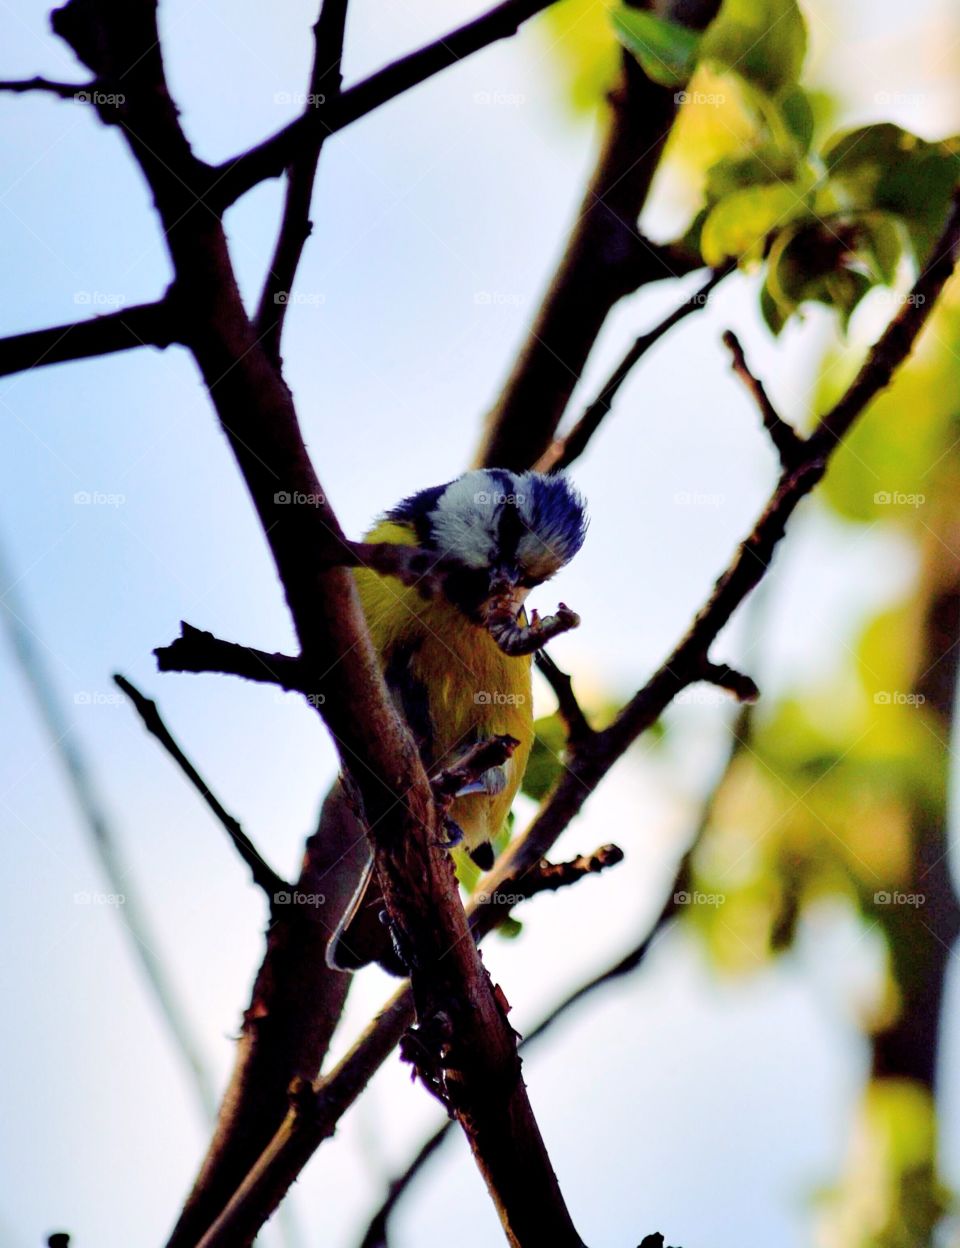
<point x="471" y="688"/>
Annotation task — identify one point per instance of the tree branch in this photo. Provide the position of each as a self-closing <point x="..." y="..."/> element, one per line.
<point x="295" y="227"/>
<point x="63" y="90"/>
<point x="565" y="450"/>
<point x="605" y="258"/>
<point x="198" y="651"/>
<point x="144" y="325"/>
<point x="295" y="1142"/>
<point x="269" y="159"/>
<point x="788" y="443"/>
<point x="263" y="875"/>
<point x="476" y="1056"/>
<point x="570" y="710"/>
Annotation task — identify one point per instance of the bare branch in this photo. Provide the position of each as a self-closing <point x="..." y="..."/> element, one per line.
<point x="565" y="450"/>
<point x="548" y="877"/>
<point x="788" y="443"/>
<point x="144" y="325"/>
<point x="743" y="688"/>
<point x="295" y="226"/>
<point x="198" y="651"/>
<point x="269" y="159"/>
<point x="481" y="1075"/>
<point x="263" y="875"/>
<point x="571" y="712"/>
<point x="62" y="90"/>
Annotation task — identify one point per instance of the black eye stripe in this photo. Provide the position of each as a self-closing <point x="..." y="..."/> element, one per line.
<point x="510" y="530"/>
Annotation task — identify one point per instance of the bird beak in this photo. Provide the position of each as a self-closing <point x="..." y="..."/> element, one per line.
<point x="505" y="595"/>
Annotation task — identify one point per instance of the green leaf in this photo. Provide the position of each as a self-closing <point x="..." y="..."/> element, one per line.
<point x="762" y="166"/>
<point x="666" y="50"/>
<point x="815" y="261"/>
<point x="764" y="41"/>
<point x="798" y="114"/>
<point x="774" y="316"/>
<point x="546" y="757"/>
<point x="888" y="168"/>
<point x="739" y="224"/>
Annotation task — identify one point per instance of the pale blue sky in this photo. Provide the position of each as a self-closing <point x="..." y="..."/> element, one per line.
<point x="420" y="209"/>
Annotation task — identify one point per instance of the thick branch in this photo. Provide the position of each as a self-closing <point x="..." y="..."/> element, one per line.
<point x="269" y="159"/>
<point x="788" y="443"/>
<point x="263" y="874"/>
<point x="144" y="325"/>
<point x="481" y="1078"/>
<point x="606" y="258"/>
<point x="565" y="450"/>
<point x="295" y="226"/>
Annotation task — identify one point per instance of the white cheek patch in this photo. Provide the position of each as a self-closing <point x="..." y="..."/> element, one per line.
<point x="464" y="522"/>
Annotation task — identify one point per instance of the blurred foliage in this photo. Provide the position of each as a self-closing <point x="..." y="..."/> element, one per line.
<point x="830" y="792"/>
<point x="889" y="1195"/>
<point x="826" y="217"/>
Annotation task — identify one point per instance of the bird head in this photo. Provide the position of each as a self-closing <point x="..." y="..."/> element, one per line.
<point x="501" y="533"/>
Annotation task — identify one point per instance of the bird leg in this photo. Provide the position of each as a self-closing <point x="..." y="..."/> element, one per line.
<point x="515" y="638"/>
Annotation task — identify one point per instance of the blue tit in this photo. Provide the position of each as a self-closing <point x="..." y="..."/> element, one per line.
<point x="501" y="534"/>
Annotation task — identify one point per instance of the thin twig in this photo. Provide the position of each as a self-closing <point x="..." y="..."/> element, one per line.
<point x="144" y="325"/>
<point x="571" y="712"/>
<point x="323" y="89"/>
<point x="63" y="90"/>
<point x="263" y="874"/>
<point x="269" y="159"/>
<point x="788" y="443"/>
<point x="565" y="450"/>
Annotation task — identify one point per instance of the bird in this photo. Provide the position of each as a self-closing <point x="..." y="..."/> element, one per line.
<point x="498" y="534"/>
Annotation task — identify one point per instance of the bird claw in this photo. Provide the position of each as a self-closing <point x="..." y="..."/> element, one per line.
<point x="517" y="639"/>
